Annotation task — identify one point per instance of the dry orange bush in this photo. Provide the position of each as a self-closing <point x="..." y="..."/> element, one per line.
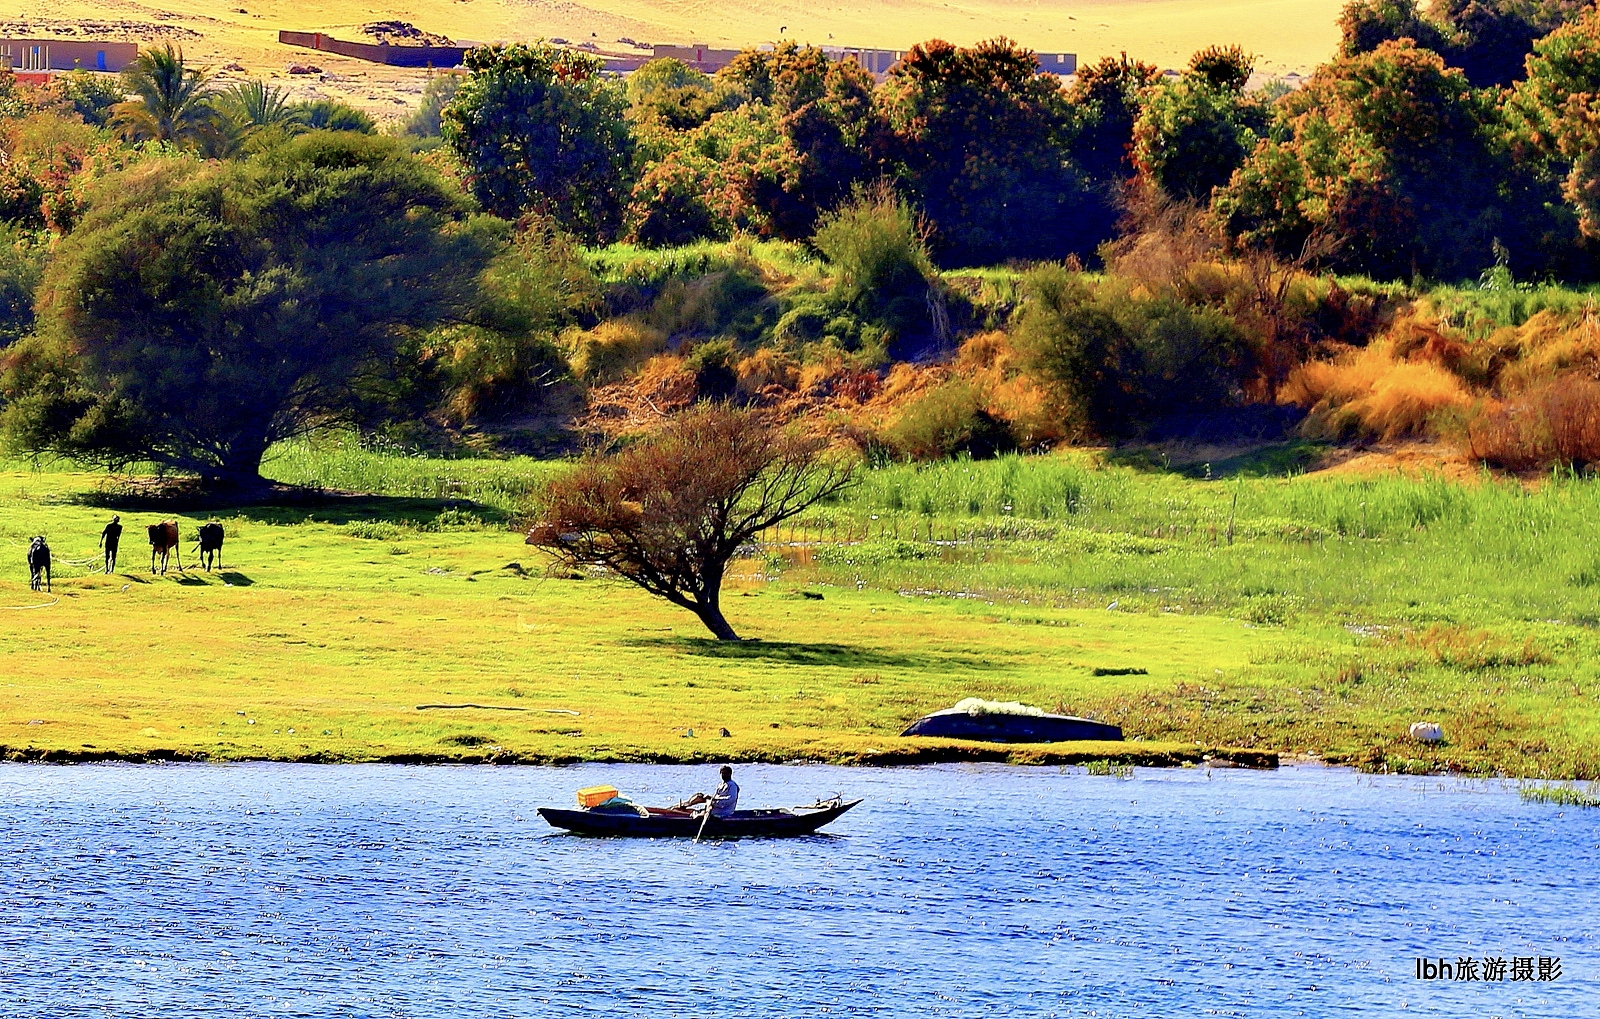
<point x="1373" y="392"/>
<point x="1556" y="422"/>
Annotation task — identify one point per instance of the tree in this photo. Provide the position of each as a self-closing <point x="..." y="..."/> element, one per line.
<point x="1488" y="39"/>
<point x="540" y="129"/>
<point x="257" y="104"/>
<point x="669" y="512"/>
<point x="980" y="139"/>
<point x="1104" y="99"/>
<point x="1192" y="133"/>
<point x="1390" y="154"/>
<point x="436" y="95"/>
<point x="1555" y="113"/>
<point x="173" y="101"/>
<point x="201" y="312"/>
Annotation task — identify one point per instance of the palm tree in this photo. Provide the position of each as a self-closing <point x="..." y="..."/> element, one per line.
<point x="255" y="104"/>
<point x="173" y="103"/>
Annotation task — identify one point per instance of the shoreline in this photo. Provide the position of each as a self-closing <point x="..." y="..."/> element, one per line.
<point x="1154" y="755"/>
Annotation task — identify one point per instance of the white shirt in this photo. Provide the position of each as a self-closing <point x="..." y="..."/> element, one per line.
<point x="725" y="799"/>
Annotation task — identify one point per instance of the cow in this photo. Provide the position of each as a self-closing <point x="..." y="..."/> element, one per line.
<point x="164" y="541"/>
<point x="39" y="564"/>
<point x="209" y="538"/>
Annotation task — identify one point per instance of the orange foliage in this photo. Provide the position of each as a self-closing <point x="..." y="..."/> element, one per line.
<point x="1375" y="391"/>
<point x="1557" y="422"/>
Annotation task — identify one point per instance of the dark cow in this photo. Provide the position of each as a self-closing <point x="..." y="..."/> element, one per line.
<point x="164" y="541"/>
<point x="210" y="539"/>
<point x="39" y="564"/>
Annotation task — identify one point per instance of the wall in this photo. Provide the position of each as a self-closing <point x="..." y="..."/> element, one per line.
<point x="378" y="53"/>
<point x="66" y="54"/>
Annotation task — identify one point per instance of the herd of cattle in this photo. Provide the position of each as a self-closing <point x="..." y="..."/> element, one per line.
<point x="164" y="543"/>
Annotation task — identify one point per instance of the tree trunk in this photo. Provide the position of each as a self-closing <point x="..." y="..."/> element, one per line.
<point x="242" y="472"/>
<point x="710" y="613"/>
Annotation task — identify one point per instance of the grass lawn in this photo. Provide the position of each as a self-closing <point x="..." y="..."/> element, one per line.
<point x="330" y="625"/>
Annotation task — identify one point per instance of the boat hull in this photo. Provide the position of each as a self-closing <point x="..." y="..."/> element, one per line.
<point x="744" y="824"/>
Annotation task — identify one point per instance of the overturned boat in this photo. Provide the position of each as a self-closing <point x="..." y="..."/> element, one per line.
<point x="628" y="820"/>
<point x="1008" y="722"/>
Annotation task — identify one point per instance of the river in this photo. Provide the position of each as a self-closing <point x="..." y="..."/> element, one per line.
<point x="970" y="890"/>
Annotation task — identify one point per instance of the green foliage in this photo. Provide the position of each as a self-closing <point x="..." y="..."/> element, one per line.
<point x="1554" y="113"/>
<point x="1192" y="133"/>
<point x="427" y="121"/>
<point x="200" y="313"/>
<point x="1488" y="39"/>
<point x="92" y="95"/>
<point x="879" y="257"/>
<point x="669" y="93"/>
<point x="697" y="188"/>
<point x="981" y="140"/>
<point x="502" y="359"/>
<point x="541" y="129"/>
<point x="21" y="261"/>
<point x="1388" y="160"/>
<point x="172" y="104"/>
<point x="1128" y="359"/>
<point x="332" y="115"/>
<point x="252" y="104"/>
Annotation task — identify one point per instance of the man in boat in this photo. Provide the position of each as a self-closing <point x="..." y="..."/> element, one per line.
<point x="724" y="801"/>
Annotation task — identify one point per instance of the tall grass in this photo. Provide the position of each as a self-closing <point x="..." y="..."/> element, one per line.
<point x="1062" y="529"/>
<point x="345" y="462"/>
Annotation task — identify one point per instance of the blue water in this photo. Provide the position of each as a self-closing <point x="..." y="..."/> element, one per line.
<point x="288" y="890"/>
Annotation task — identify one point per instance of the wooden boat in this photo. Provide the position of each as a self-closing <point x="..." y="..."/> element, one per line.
<point x="671" y="822"/>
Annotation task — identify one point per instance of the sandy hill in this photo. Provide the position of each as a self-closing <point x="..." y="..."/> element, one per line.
<point x="1288" y="35"/>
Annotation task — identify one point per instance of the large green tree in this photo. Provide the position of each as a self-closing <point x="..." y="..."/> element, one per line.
<point x="1555" y="113"/>
<point x="1193" y="132"/>
<point x="980" y="139"/>
<point x="541" y="129"/>
<point x="1389" y="156"/>
<point x="201" y="312"/>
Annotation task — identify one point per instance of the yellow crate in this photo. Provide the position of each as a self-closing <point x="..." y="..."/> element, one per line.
<point x="595" y="795"/>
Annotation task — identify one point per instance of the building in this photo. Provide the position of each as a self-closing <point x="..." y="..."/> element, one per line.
<point x="45" y="55"/>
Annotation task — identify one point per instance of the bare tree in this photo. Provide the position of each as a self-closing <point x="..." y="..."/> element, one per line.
<point x="669" y="512"/>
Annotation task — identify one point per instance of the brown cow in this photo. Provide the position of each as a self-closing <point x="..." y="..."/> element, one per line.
<point x="164" y="540"/>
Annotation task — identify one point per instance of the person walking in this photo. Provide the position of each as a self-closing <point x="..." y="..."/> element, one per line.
<point x="109" y="538"/>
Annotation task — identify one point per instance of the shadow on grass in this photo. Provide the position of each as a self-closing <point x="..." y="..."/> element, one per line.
<point x="782" y="652"/>
<point x="286" y="505"/>
<point x="1276" y="460"/>
<point x="235" y="579"/>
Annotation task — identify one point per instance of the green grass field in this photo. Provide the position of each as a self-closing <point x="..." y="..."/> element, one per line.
<point x="1340" y="611"/>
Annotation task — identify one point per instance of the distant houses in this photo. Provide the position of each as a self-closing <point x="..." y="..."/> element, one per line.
<point x="39" y="57"/>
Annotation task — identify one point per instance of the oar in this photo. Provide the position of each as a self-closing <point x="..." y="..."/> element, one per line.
<point x="703" y="821"/>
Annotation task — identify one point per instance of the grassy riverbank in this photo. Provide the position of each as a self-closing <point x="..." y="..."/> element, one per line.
<point x="1326" y="626"/>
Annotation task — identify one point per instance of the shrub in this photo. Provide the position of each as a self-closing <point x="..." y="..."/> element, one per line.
<point x="947" y="420"/>
<point x="1374" y="392"/>
<point x="878" y="251"/>
<point x="1557" y="422"/>
<point x="713" y="364"/>
<point x="1126" y="358"/>
<point x="611" y="349"/>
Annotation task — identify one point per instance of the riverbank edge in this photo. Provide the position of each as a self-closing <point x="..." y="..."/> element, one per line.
<point x="912" y="752"/>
